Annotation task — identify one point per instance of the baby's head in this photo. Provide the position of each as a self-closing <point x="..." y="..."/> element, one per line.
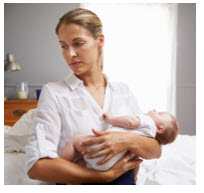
<point x="167" y="126"/>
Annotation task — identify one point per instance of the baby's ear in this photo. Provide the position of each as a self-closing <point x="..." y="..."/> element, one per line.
<point x="160" y="129"/>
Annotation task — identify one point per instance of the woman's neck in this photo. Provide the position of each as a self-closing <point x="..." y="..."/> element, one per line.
<point x="93" y="79"/>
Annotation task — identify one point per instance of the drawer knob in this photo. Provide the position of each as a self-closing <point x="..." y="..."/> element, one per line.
<point x="19" y="112"/>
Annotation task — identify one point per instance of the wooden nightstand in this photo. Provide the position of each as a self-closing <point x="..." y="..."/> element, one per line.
<point x="14" y="109"/>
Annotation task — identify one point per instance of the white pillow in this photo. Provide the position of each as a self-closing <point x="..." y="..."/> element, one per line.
<point x="14" y="171"/>
<point x="15" y="138"/>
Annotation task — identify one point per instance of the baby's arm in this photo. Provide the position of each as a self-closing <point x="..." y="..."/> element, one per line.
<point x="69" y="152"/>
<point x="130" y="122"/>
<point x="72" y="147"/>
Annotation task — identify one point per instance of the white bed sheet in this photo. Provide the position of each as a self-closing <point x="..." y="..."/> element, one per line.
<point x="14" y="170"/>
<point x="176" y="166"/>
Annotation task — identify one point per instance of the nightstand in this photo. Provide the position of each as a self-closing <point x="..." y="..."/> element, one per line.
<point x="14" y="109"/>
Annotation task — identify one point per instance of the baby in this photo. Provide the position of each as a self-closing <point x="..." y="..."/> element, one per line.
<point x="159" y="125"/>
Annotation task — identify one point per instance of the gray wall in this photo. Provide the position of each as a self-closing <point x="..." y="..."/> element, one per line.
<point x="29" y="35"/>
<point x="186" y="69"/>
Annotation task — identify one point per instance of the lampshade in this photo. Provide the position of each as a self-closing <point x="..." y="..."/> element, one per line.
<point x="10" y="64"/>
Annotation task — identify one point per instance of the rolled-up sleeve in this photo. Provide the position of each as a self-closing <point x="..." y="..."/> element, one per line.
<point x="45" y="135"/>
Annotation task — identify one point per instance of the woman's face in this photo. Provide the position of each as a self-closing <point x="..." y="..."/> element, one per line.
<point x="79" y="48"/>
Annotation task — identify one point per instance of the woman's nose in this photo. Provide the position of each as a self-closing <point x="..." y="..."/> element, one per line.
<point x="71" y="52"/>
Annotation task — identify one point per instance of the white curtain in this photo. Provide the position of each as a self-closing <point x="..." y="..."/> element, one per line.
<point x="140" y="50"/>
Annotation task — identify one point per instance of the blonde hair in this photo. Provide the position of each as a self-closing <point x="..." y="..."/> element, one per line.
<point x="87" y="19"/>
<point x="170" y="133"/>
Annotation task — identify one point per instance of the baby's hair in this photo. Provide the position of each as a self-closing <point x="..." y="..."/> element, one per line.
<point x="170" y="133"/>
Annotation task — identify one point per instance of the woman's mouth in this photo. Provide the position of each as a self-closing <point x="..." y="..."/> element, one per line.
<point x="75" y="64"/>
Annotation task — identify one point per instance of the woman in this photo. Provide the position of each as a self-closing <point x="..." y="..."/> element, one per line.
<point x="75" y="105"/>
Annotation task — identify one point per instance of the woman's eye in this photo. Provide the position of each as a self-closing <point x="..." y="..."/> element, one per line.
<point x="64" y="46"/>
<point x="77" y="44"/>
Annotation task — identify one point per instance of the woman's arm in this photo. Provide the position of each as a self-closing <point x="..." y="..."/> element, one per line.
<point x="59" y="170"/>
<point x="145" y="147"/>
<point x="112" y="143"/>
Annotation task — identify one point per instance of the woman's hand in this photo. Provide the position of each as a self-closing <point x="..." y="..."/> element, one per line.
<point x="122" y="166"/>
<point x="107" y="143"/>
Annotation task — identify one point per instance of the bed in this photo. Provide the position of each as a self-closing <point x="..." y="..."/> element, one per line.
<point x="177" y="165"/>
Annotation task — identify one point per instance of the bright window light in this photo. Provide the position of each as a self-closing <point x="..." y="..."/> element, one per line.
<point x="140" y="50"/>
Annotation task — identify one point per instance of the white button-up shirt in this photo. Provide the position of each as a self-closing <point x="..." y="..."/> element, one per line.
<point x="66" y="108"/>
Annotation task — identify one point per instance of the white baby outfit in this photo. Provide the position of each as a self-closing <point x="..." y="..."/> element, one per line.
<point x="147" y="128"/>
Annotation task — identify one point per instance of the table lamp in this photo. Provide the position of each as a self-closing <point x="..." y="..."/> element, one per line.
<point x="10" y="65"/>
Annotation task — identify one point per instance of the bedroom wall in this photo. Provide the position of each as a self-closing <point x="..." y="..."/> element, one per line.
<point x="29" y="35"/>
<point x="186" y="69"/>
<point x="29" y="32"/>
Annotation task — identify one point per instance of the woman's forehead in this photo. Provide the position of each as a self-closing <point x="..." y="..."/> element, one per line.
<point x="72" y="31"/>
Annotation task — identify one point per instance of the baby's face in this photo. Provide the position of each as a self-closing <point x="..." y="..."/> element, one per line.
<point x="160" y="118"/>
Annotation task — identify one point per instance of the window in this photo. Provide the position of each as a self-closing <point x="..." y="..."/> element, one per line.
<point x="140" y="50"/>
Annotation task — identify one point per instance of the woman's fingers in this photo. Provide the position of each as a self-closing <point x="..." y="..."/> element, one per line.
<point x="98" y="154"/>
<point x="133" y="163"/>
<point x="126" y="157"/>
<point x="91" y="141"/>
<point x="94" y="148"/>
<point x="130" y="163"/>
<point x="124" y="164"/>
<point x="99" y="133"/>
<point x="136" y="157"/>
<point x="107" y="158"/>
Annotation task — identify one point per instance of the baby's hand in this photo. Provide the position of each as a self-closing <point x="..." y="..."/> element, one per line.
<point x="107" y="116"/>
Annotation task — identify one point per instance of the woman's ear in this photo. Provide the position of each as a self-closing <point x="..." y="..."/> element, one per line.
<point x="100" y="41"/>
<point x="160" y="129"/>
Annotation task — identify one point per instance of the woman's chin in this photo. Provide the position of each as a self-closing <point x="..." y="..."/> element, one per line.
<point x="78" y="72"/>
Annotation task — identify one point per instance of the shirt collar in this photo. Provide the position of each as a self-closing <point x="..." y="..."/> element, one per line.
<point x="73" y="82"/>
<point x="108" y="82"/>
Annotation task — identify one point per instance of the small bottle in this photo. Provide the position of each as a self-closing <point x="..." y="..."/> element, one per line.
<point x="22" y="90"/>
